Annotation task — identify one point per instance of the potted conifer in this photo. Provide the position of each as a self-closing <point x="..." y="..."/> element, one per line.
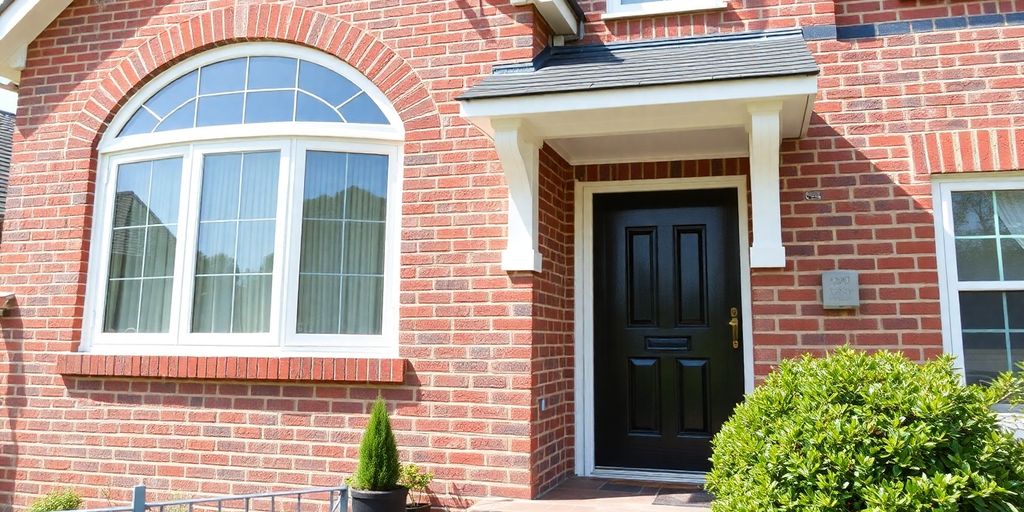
<point x="375" y="483"/>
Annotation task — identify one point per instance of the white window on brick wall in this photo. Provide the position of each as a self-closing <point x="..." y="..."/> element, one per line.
<point x="980" y="234"/>
<point x="247" y="202"/>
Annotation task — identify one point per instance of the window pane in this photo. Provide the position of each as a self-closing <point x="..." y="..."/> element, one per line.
<point x="218" y="110"/>
<point x="320" y="81"/>
<point x="1015" y="310"/>
<point x="184" y="117"/>
<point x="367" y="187"/>
<point x="159" y="257"/>
<point x="271" y="72"/>
<point x="235" y="253"/>
<point x="973" y="213"/>
<point x="362" y="109"/>
<point x="342" y="253"/>
<point x="143" y="246"/>
<point x="226" y="76"/>
<point x="982" y="310"/>
<point x="976" y="260"/>
<point x="319" y="303"/>
<point x="324" y="193"/>
<point x="220" y="186"/>
<point x="173" y="95"/>
<point x="269" y="106"/>
<point x="310" y="109"/>
<point x="132" y="195"/>
<point x="126" y="252"/>
<point x="213" y="303"/>
<point x="122" y="314"/>
<point x="1011" y="212"/>
<point x="1013" y="259"/>
<point x="364" y="248"/>
<point x="252" y="304"/>
<point x="362" y="305"/>
<point x="259" y="185"/>
<point x="984" y="356"/>
<point x="255" y="247"/>
<point x="1017" y="349"/>
<point x="215" y="252"/>
<point x="321" y="246"/>
<point x="141" y="122"/>
<point x="155" y="305"/>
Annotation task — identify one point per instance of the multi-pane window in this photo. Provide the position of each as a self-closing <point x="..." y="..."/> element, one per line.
<point x="983" y="241"/>
<point x="260" y="238"/>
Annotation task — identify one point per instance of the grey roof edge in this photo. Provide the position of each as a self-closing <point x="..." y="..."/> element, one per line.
<point x="538" y="62"/>
<point x="514" y="79"/>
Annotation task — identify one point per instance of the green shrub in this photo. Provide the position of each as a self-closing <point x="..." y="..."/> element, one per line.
<point x="57" y="500"/>
<point x="876" y="433"/>
<point x="378" y="468"/>
<point x="417" y="480"/>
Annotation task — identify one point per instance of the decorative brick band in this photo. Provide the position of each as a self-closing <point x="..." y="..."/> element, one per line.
<point x="292" y="369"/>
<point x="893" y="28"/>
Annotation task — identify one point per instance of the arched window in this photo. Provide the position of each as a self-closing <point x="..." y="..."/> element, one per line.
<point x="248" y="197"/>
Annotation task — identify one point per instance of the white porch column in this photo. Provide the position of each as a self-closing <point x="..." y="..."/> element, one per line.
<point x="764" y="131"/>
<point x="519" y="152"/>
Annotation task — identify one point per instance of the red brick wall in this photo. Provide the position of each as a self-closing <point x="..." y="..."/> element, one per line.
<point x="483" y="346"/>
<point x="464" y="410"/>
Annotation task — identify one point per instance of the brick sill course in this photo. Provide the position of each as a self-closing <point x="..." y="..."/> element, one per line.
<point x="292" y="369"/>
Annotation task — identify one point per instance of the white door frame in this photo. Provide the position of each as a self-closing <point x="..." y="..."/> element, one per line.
<point x="584" y="309"/>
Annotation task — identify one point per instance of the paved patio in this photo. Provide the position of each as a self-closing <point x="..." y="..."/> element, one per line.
<point x="600" y="495"/>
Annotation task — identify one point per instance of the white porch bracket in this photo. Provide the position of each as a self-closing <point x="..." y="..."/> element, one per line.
<point x="764" y="132"/>
<point x="519" y="151"/>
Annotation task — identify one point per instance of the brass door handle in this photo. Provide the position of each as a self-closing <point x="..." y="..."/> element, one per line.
<point x="735" y="324"/>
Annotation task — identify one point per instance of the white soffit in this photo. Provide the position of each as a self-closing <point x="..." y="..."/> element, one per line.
<point x="581" y="125"/>
<point x="20" y="23"/>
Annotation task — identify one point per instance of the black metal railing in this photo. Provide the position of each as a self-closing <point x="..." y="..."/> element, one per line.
<point x="317" y="499"/>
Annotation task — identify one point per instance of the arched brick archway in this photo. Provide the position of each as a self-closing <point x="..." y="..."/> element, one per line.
<point x="260" y="22"/>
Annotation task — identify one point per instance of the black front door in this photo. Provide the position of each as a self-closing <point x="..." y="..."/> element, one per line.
<point x="667" y="373"/>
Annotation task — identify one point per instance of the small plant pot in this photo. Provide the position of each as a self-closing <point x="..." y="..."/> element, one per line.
<point x="417" y="507"/>
<point x="379" y="501"/>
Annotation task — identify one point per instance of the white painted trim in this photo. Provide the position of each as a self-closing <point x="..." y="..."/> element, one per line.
<point x="395" y="131"/>
<point x="617" y="10"/>
<point x="747" y="89"/>
<point x="519" y="152"/>
<point x="679" y="155"/>
<point x="584" y="293"/>
<point x="20" y="23"/>
<point x="558" y="14"/>
<point x="765" y="136"/>
<point x="945" y="251"/>
<point x="675" y="477"/>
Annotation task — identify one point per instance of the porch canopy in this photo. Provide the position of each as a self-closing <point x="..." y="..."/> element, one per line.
<point x="673" y="99"/>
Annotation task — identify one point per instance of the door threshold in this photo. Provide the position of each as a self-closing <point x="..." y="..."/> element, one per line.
<point x="650" y="475"/>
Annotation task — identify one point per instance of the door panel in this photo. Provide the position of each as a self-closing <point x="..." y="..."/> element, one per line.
<point x="666" y="274"/>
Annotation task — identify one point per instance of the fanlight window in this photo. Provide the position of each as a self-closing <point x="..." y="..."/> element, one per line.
<point x="249" y="90"/>
<point x="271" y="237"/>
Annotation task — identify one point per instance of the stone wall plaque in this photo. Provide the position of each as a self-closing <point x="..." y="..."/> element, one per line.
<point x="840" y="289"/>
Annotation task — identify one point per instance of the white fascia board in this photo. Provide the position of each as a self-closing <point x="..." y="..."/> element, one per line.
<point x="726" y="90"/>
<point x="20" y="24"/>
<point x="558" y="14"/>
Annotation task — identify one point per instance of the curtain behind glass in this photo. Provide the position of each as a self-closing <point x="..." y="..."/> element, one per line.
<point x="235" y="247"/>
<point x="341" y="263"/>
<point x="143" y="244"/>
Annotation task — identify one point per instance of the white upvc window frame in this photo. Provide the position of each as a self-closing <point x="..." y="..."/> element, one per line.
<point x="949" y="284"/>
<point x="616" y="9"/>
<point x="292" y="140"/>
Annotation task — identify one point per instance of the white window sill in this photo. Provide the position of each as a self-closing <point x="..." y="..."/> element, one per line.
<point x="662" y="7"/>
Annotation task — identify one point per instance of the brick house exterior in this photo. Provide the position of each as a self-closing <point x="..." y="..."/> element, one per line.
<point x="906" y="92"/>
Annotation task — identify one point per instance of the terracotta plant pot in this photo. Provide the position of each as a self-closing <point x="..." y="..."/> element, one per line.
<point x="417" y="507"/>
<point x="379" y="501"/>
